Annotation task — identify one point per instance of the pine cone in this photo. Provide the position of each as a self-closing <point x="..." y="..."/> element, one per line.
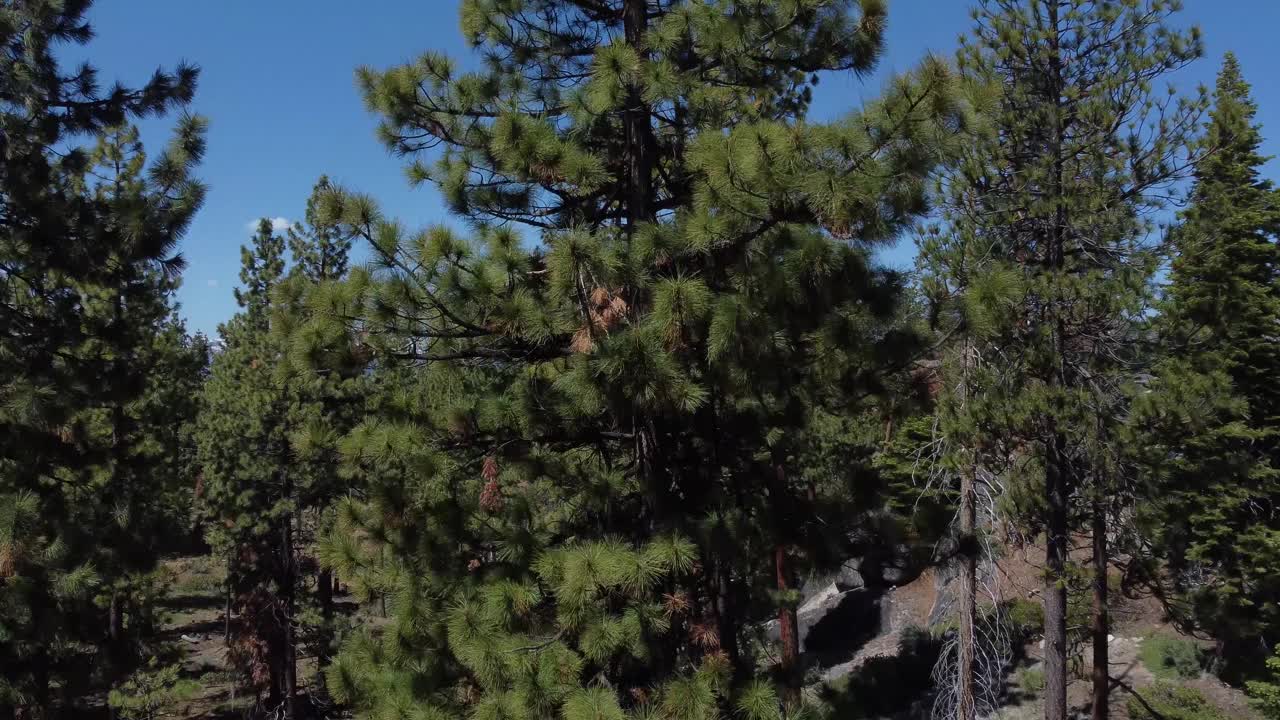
<point x="491" y="500"/>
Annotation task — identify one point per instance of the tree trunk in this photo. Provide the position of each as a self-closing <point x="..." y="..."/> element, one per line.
<point x="1057" y="490"/>
<point x="226" y="610"/>
<point x="727" y="626"/>
<point x="1101" y="623"/>
<point x="1055" y="583"/>
<point x="966" y="708"/>
<point x="324" y="588"/>
<point x="787" y="631"/>
<point x="290" y="646"/>
<point x="382" y="596"/>
<point x="636" y="119"/>
<point x="39" y="707"/>
<point x="115" y="622"/>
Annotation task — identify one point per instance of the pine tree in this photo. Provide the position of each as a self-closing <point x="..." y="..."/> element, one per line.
<point x="321" y="406"/>
<point x="247" y="477"/>
<point x="71" y="252"/>
<point x="145" y="372"/>
<point x="268" y="485"/>
<point x="583" y="476"/>
<point x="972" y="296"/>
<point x="318" y="251"/>
<point x="1081" y="149"/>
<point x="1210" y="427"/>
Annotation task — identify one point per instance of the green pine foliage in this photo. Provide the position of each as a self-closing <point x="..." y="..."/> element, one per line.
<point x="149" y="372"/>
<point x="242" y="444"/>
<point x="152" y="693"/>
<point x="639" y="372"/>
<point x="318" y="251"/>
<point x="1209" y="424"/>
<point x="266" y="448"/>
<point x="1041" y="270"/>
<point x="1171" y="657"/>
<point x="579" y="446"/>
<point x="1265" y="692"/>
<point x="88" y="229"/>
<point x="1167" y="701"/>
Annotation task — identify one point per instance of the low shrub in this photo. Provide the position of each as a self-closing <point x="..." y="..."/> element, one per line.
<point x="152" y="692"/>
<point x="1031" y="680"/>
<point x="1264" y="693"/>
<point x="1170" y="657"/>
<point x="1026" y="618"/>
<point x="1167" y="701"/>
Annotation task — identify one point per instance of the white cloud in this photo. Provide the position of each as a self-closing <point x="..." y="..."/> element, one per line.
<point x="212" y="283"/>
<point x="278" y="224"/>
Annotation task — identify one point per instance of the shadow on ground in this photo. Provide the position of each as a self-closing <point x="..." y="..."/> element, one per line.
<point x="890" y="687"/>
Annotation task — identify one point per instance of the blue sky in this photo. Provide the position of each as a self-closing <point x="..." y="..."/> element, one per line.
<point x="277" y="87"/>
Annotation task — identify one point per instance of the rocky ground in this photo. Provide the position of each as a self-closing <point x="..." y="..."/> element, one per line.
<point x="853" y="630"/>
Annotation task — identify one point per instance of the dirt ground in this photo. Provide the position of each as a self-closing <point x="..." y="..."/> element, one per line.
<point x="1133" y="620"/>
<point x="194" y="625"/>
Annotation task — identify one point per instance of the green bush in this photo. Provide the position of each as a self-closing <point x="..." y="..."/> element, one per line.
<point x="1031" y="680"/>
<point x="1265" y="694"/>
<point x="1170" y="657"/>
<point x="150" y="693"/>
<point x="1026" y="617"/>
<point x="1172" y="702"/>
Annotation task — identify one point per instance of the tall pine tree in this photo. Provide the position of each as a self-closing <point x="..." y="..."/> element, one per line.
<point x="321" y="405"/>
<point x="584" y="479"/>
<point x="72" y="252"/>
<point x="247" y="493"/>
<point x="1081" y="149"/>
<point x="1210" y="427"/>
<point x="268" y="484"/>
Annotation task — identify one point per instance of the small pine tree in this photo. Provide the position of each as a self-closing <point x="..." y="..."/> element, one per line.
<point x="1265" y="693"/>
<point x="152" y="693"/>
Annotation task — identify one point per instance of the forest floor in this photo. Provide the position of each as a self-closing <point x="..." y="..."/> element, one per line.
<point x="193" y="627"/>
<point x="885" y="670"/>
<point x="1133" y="621"/>
<point x="886" y="666"/>
<point x="194" y="624"/>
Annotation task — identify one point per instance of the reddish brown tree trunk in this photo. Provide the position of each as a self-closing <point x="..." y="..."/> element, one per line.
<point x="290" y="643"/>
<point x="115" y="621"/>
<point x="226" y="610"/>
<point x="1101" y="623"/>
<point x="1055" y="584"/>
<point x="324" y="588"/>
<point x="787" y="630"/>
<point x="722" y="606"/>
